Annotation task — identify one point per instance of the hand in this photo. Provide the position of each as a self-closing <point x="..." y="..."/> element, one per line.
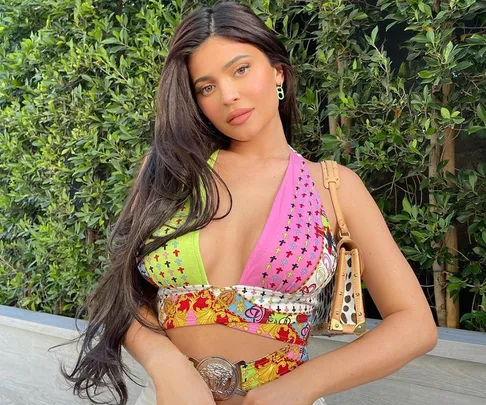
<point x="283" y="391"/>
<point x="177" y="382"/>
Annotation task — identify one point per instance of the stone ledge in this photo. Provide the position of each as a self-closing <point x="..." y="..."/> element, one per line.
<point x="29" y="372"/>
<point x="453" y="343"/>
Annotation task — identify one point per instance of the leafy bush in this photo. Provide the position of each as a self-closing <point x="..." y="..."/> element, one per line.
<point x="77" y="84"/>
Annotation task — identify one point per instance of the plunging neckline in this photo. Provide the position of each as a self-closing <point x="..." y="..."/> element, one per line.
<point x="253" y="252"/>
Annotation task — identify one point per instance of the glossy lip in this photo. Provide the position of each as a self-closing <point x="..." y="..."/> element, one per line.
<point x="241" y="119"/>
<point x="237" y="113"/>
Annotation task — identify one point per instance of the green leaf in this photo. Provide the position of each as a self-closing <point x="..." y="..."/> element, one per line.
<point x="111" y="40"/>
<point x="471" y="229"/>
<point x="474" y="129"/>
<point x="482" y="168"/>
<point x="269" y="23"/>
<point x="448" y="50"/>
<point x="479" y="250"/>
<point x="455" y="279"/>
<point x="445" y="113"/>
<point x="374" y="33"/>
<point x="466" y="317"/>
<point x="406" y="205"/>
<point x="418" y="235"/>
<point x="285" y="22"/>
<point x="329" y="142"/>
<point x="310" y="96"/>
<point x="421" y="39"/>
<point x="408" y="250"/>
<point x="171" y="20"/>
<point x="441" y="165"/>
<point x="360" y="16"/>
<point x="481" y="111"/>
<point x="463" y="65"/>
<point x="473" y="178"/>
<point x="425" y="8"/>
<point x="425" y="74"/>
<point x="390" y="25"/>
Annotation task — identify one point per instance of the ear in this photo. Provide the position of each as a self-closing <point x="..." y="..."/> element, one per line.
<point x="279" y="74"/>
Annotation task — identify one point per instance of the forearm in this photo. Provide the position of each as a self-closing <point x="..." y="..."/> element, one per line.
<point x="397" y="340"/>
<point x="150" y="349"/>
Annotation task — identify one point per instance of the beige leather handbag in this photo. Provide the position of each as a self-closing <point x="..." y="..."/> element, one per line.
<point x="346" y="313"/>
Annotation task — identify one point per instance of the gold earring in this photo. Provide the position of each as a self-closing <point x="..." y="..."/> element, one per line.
<point x="280" y="92"/>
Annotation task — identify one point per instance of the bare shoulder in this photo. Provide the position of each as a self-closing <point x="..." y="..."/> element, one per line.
<point x="357" y="204"/>
<point x="350" y="184"/>
<point x="359" y="208"/>
<point x="345" y="173"/>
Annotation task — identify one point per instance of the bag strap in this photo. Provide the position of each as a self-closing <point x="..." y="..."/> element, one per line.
<point x="330" y="176"/>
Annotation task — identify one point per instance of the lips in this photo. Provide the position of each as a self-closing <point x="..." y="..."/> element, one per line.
<point x="237" y="113"/>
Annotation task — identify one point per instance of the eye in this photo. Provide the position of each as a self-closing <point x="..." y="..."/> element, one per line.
<point x="205" y="89"/>
<point x="243" y="69"/>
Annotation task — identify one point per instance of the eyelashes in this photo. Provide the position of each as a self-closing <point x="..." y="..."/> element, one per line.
<point x="201" y="90"/>
<point x="246" y="67"/>
<point x="204" y="90"/>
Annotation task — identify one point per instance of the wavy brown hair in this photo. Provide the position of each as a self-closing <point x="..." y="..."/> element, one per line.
<point x="175" y="171"/>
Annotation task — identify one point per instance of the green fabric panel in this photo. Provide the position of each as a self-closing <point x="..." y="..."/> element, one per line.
<point x="178" y="263"/>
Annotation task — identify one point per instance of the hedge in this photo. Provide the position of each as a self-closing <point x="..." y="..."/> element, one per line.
<point x="380" y="86"/>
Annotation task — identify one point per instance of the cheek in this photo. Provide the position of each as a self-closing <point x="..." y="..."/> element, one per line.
<point x="210" y="108"/>
<point x="262" y="94"/>
<point x="260" y="87"/>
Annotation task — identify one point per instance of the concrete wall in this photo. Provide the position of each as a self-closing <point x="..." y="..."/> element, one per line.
<point x="29" y="373"/>
<point x="453" y="373"/>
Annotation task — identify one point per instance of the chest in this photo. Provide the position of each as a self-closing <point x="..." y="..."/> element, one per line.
<point x="275" y="235"/>
<point x="250" y="201"/>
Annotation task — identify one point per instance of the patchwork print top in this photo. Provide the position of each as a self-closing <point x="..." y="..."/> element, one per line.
<point x="277" y="296"/>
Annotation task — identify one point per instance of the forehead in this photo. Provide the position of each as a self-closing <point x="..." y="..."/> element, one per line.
<point x="211" y="56"/>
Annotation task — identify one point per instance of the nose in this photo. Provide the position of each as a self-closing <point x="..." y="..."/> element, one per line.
<point x="229" y="92"/>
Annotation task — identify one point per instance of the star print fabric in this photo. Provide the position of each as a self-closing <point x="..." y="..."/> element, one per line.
<point x="293" y="259"/>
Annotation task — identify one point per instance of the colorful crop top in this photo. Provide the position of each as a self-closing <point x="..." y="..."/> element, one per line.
<point x="277" y="295"/>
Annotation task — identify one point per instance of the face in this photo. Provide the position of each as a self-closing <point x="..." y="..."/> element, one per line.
<point x="229" y="76"/>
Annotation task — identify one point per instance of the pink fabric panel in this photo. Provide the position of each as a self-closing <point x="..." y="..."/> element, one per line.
<point x="290" y="245"/>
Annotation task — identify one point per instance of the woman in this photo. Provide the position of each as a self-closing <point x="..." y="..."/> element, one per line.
<point x="229" y="229"/>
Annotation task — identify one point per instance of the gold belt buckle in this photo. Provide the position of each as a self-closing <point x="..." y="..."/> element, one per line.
<point x="222" y="377"/>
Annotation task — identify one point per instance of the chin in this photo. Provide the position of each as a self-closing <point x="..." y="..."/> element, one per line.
<point x="241" y="134"/>
<point x="242" y="138"/>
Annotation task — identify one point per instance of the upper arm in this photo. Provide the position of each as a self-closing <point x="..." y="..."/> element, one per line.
<point x="389" y="278"/>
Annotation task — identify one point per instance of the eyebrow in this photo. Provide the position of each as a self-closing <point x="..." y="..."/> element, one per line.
<point x="231" y="62"/>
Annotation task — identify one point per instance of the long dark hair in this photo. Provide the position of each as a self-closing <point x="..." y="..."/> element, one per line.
<point x="174" y="171"/>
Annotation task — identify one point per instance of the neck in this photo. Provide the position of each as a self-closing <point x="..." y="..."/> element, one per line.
<point x="270" y="142"/>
